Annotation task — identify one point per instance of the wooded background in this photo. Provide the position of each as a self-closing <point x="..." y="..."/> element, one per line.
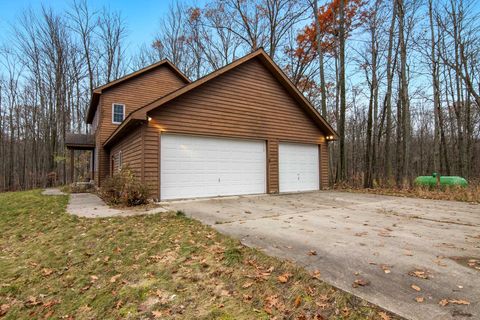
<point x="399" y="79"/>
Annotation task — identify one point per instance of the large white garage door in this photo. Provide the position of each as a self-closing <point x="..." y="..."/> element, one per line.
<point x="298" y="167"/>
<point x="194" y="166"/>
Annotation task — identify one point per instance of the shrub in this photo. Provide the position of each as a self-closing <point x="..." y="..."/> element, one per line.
<point x="123" y="188"/>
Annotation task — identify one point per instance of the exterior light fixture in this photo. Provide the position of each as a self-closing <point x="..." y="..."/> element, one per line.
<point x="149" y="118"/>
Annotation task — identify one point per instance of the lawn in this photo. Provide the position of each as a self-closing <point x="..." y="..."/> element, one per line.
<point x="163" y="266"/>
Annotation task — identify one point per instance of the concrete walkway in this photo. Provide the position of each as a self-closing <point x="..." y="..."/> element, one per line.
<point x="89" y="205"/>
<point x="53" y="192"/>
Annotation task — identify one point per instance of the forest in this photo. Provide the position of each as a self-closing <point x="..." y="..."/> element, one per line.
<point x="399" y="80"/>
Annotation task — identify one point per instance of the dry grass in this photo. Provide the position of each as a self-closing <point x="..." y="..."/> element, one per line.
<point x="467" y="194"/>
<point x="163" y="266"/>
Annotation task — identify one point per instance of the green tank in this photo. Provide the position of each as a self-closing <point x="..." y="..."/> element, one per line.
<point x="431" y="181"/>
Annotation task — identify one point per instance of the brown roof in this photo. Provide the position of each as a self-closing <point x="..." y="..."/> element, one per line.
<point x="141" y="113"/>
<point x="79" y="141"/>
<point x="98" y="91"/>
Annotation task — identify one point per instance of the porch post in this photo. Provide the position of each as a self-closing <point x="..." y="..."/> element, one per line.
<point x="93" y="165"/>
<point x="72" y="167"/>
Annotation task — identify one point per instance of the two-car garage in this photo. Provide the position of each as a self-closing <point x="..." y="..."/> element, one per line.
<point x="200" y="166"/>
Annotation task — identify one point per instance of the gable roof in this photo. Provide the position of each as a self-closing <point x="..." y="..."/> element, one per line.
<point x="141" y="114"/>
<point x="98" y="91"/>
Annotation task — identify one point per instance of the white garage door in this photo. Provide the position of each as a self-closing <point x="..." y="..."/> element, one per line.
<point x="298" y="167"/>
<point x="194" y="166"/>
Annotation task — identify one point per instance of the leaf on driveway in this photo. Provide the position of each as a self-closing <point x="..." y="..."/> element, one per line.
<point x="462" y="302"/>
<point x="316" y="274"/>
<point x="419" y="299"/>
<point x="415" y="287"/>
<point x="419" y="274"/>
<point x="312" y="253"/>
<point x="360" y="282"/>
<point x="443" y="302"/>
<point x="386" y="268"/>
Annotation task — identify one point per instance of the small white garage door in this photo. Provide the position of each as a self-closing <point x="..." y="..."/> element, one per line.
<point x="298" y="167"/>
<point x="194" y="166"/>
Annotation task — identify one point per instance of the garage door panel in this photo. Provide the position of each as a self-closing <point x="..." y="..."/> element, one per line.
<point x="298" y="167"/>
<point x="194" y="166"/>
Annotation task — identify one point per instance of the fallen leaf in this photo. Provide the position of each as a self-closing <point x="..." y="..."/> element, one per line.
<point x="247" y="285"/>
<point x="419" y="274"/>
<point x="4" y="309"/>
<point x="32" y="301"/>
<point x="157" y="314"/>
<point x="322" y="305"/>
<point x="443" y="302"/>
<point x="247" y="297"/>
<point x="50" y="303"/>
<point x="115" y="278"/>
<point x="119" y="304"/>
<point x="298" y="301"/>
<point x="419" y="299"/>
<point x="284" y="277"/>
<point x="407" y="253"/>
<point x="360" y="282"/>
<point x="93" y="278"/>
<point x="316" y="274"/>
<point x="462" y="302"/>
<point x="386" y="268"/>
<point x="225" y="293"/>
<point x="312" y="253"/>
<point x="46" y="272"/>
<point x="415" y="287"/>
<point x="384" y="315"/>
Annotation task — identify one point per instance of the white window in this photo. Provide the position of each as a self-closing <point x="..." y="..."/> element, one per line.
<point x="118" y="113"/>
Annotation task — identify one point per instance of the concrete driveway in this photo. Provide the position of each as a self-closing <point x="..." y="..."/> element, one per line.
<point x="390" y="242"/>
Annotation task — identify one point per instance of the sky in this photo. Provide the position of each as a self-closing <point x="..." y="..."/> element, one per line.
<point x="142" y="16"/>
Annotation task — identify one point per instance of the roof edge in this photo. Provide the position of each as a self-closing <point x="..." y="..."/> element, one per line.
<point x="142" y="113"/>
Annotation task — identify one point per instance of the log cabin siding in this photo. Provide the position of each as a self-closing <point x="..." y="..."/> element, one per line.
<point x="134" y="93"/>
<point x="131" y="147"/>
<point x="323" y="149"/>
<point x="245" y="102"/>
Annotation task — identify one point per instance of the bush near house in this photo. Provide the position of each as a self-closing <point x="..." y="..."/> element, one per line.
<point x="123" y="188"/>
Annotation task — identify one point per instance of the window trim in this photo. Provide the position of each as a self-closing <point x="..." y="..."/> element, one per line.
<point x="113" y="112"/>
<point x="120" y="160"/>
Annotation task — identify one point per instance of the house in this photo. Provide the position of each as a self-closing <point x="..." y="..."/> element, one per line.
<point x="242" y="129"/>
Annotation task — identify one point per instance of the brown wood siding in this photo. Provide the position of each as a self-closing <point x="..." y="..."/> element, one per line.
<point x="134" y="93"/>
<point x="323" y="149"/>
<point x="131" y="147"/>
<point x="246" y="102"/>
<point x="272" y="166"/>
<point x="152" y="160"/>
